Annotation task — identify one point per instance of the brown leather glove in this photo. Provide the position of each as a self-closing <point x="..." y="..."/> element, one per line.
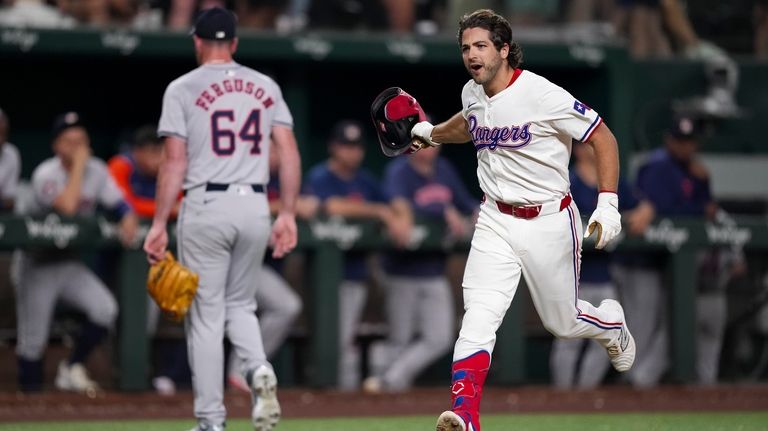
<point x="172" y="286"/>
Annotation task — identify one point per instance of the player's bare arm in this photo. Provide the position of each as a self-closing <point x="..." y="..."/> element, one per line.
<point x="605" y="220"/>
<point x="606" y="158"/>
<point x="452" y="131"/>
<point x="290" y="167"/>
<point x="170" y="176"/>
<point x="169" y="179"/>
<point x="400" y="221"/>
<point x="128" y="228"/>
<point x="284" y="231"/>
<point x="68" y="201"/>
<point x="352" y="208"/>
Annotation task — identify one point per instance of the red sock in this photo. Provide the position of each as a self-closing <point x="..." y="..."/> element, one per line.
<point x="468" y="378"/>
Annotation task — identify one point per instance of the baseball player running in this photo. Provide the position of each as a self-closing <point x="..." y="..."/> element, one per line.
<point x="521" y="126"/>
<point x="217" y="121"/>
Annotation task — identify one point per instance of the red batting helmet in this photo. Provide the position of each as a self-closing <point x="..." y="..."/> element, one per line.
<point x="394" y="113"/>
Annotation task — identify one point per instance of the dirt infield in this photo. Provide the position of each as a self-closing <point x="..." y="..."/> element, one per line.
<point x="313" y="403"/>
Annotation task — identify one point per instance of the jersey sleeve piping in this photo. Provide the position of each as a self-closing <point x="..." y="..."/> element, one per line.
<point x="591" y="129"/>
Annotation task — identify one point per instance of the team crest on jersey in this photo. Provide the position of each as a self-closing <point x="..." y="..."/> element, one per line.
<point x="581" y="108"/>
<point x="511" y="137"/>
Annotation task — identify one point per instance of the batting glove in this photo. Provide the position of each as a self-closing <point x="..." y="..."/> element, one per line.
<point x="423" y="132"/>
<point x="606" y="219"/>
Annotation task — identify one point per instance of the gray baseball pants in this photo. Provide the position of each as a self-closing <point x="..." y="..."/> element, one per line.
<point x="421" y="317"/>
<point x="40" y="285"/>
<point x="222" y="236"/>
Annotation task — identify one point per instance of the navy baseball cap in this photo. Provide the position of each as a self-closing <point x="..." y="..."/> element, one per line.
<point x="215" y="24"/>
<point x="65" y="121"/>
<point x="347" y="132"/>
<point x="683" y="127"/>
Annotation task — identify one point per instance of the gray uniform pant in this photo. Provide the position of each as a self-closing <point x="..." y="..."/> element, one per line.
<point x="279" y="306"/>
<point x="40" y="285"/>
<point x="570" y="368"/>
<point x="222" y="237"/>
<point x="645" y="304"/>
<point x="421" y="318"/>
<point x="352" y="297"/>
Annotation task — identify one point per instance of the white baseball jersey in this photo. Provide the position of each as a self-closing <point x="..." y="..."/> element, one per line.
<point x="98" y="187"/>
<point x="523" y="137"/>
<point x="225" y="113"/>
<point x="10" y="168"/>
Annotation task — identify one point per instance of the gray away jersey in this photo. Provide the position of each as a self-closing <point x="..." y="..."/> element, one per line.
<point x="98" y="187"/>
<point x="225" y="113"/>
<point x="10" y="168"/>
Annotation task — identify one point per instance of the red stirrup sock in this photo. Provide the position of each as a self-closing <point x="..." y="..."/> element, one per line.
<point x="468" y="378"/>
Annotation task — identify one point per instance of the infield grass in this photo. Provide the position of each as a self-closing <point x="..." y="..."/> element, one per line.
<point x="710" y="421"/>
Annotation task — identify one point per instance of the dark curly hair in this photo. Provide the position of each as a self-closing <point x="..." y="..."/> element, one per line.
<point x="501" y="32"/>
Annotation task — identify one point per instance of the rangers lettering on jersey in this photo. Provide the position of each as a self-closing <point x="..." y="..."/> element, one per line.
<point x="232" y="86"/>
<point x="485" y="137"/>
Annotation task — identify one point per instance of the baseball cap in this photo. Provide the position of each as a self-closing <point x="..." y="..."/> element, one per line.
<point x="215" y="24"/>
<point x="347" y="132"/>
<point x="683" y="127"/>
<point x="65" y="121"/>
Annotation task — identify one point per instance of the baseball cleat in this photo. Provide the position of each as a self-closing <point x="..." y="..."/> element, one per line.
<point x="75" y="378"/>
<point x="622" y="349"/>
<point x="164" y="386"/>
<point x="266" y="408"/>
<point x="208" y="427"/>
<point x="373" y="385"/>
<point x="450" y="421"/>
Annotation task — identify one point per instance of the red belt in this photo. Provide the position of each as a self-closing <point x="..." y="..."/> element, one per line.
<point x="529" y="212"/>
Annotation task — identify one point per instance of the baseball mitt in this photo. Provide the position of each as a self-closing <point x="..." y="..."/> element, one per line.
<point x="172" y="286"/>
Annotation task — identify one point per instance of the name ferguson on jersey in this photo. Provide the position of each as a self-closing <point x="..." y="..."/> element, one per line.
<point x="207" y="97"/>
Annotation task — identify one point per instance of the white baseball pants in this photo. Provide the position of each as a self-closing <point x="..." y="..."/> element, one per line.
<point x="546" y="250"/>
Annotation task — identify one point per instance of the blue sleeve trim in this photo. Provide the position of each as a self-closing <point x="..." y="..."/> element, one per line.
<point x="589" y="130"/>
<point x="122" y="209"/>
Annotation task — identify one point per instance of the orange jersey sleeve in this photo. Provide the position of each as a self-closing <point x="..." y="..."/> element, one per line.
<point x="121" y="169"/>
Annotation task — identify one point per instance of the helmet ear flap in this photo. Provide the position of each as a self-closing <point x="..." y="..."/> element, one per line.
<point x="394" y="113"/>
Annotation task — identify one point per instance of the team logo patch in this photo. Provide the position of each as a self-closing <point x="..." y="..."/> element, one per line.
<point x="581" y="108"/>
<point x="623" y="339"/>
<point x="463" y="389"/>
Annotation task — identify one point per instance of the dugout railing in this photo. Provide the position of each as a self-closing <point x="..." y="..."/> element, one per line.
<point x="324" y="242"/>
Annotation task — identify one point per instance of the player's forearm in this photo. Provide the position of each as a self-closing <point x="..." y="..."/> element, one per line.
<point x="290" y="179"/>
<point x="452" y="131"/>
<point x="169" y="181"/>
<point x="606" y="158"/>
<point x="343" y="207"/>
<point x="290" y="167"/>
<point x="69" y="199"/>
<point x="402" y="211"/>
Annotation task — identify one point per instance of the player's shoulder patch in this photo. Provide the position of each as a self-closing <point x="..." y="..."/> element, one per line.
<point x="580" y="107"/>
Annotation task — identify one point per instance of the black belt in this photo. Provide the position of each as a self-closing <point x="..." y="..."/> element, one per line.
<point x="219" y="187"/>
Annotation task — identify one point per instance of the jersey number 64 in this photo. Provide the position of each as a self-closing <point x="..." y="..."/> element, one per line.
<point x="223" y="136"/>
